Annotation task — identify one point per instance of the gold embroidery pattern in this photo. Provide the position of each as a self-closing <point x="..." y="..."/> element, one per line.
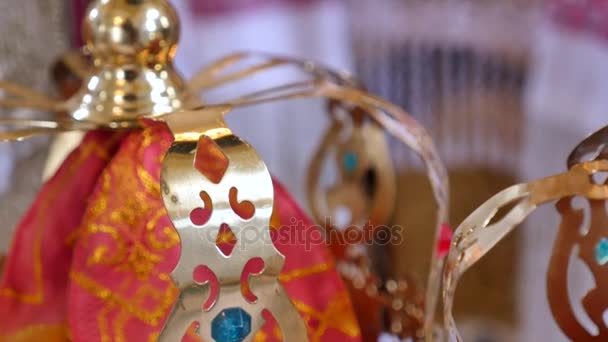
<point x="327" y="319"/>
<point x="305" y="272"/>
<point x="132" y="240"/>
<point x="151" y="317"/>
<point x="102" y="322"/>
<point x="337" y="309"/>
<point x="86" y="150"/>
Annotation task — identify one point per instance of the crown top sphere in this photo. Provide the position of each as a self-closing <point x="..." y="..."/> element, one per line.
<point x="119" y="32"/>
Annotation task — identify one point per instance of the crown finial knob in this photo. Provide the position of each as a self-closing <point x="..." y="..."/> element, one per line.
<point x="122" y="32"/>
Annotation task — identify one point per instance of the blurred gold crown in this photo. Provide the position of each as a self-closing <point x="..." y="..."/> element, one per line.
<point x="583" y="233"/>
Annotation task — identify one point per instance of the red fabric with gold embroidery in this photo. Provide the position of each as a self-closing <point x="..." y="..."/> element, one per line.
<point x="91" y="259"/>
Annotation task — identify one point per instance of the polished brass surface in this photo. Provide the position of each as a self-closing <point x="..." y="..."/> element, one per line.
<point x="393" y="119"/>
<point x="182" y="185"/>
<point x="211" y="76"/>
<point x="132" y="45"/>
<point x="398" y="123"/>
<point x="126" y="32"/>
<point x="481" y="230"/>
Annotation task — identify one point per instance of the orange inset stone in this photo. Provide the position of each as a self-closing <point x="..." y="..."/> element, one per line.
<point x="210" y="160"/>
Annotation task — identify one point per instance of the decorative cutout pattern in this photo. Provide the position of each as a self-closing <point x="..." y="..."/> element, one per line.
<point x="226" y="240"/>
<point x="202" y="275"/>
<point x="225" y="168"/>
<point x="200" y="216"/>
<point x="592" y="248"/>
<point x="254" y="267"/>
<point x="244" y="209"/>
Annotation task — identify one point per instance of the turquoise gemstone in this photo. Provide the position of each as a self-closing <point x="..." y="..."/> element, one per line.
<point x="601" y="252"/>
<point x="231" y="325"/>
<point x="350" y="161"/>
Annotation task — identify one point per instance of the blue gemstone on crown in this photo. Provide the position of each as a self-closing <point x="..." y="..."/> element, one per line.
<point x="601" y="251"/>
<point x="231" y="325"/>
<point x="350" y="160"/>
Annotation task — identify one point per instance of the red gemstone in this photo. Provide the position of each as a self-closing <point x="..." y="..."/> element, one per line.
<point x="445" y="240"/>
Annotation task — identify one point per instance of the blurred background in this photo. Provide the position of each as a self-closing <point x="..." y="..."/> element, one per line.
<point x="506" y="88"/>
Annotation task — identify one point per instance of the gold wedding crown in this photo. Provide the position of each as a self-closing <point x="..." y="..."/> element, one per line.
<point x="127" y="74"/>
